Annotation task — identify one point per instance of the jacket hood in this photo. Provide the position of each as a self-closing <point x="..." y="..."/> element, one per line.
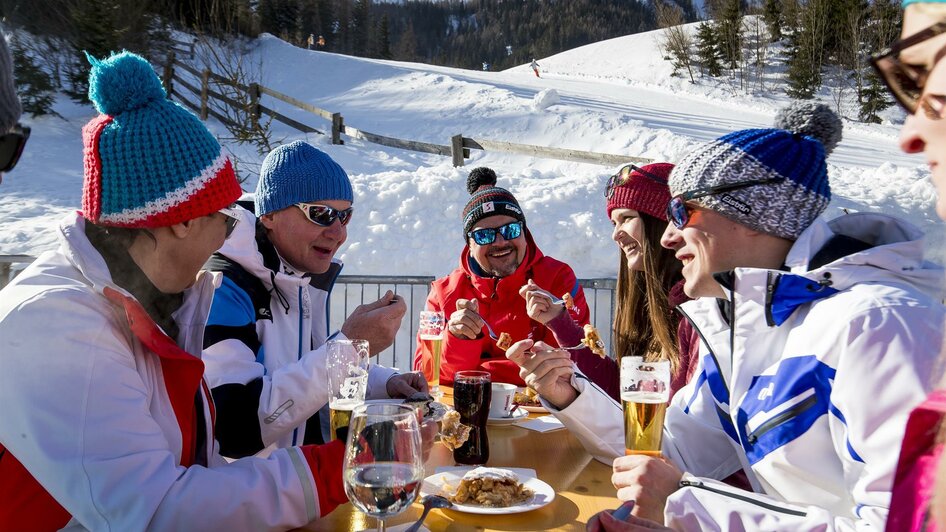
<point x="895" y="252"/>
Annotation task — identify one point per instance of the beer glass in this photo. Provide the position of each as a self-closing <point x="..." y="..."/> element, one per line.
<point x="471" y="398"/>
<point x="645" y="390"/>
<point x="347" y="368"/>
<point x="432" y="324"/>
<point x="383" y="467"/>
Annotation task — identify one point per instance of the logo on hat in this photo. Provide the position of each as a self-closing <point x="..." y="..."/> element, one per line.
<point x="513" y="208"/>
<point x="489" y="207"/>
<point x="736" y="204"/>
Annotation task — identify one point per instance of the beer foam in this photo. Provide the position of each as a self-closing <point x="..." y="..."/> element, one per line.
<point x="644" y="397"/>
<point x="494" y="473"/>
<point x="344" y="404"/>
<point x="431" y="337"/>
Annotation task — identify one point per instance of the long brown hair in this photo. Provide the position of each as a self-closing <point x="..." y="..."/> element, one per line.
<point x="644" y="324"/>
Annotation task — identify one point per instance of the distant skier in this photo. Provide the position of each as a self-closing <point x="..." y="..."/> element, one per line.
<point x="485" y="65"/>
<point x="321" y="42"/>
<point x="535" y="67"/>
<point x="310" y="42"/>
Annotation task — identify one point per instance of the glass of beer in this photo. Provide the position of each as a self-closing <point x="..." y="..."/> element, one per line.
<point x="645" y="390"/>
<point x="347" y="368"/>
<point x="432" y="324"/>
<point x="471" y="398"/>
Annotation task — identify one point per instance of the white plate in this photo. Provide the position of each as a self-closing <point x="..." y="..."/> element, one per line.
<point x="439" y="409"/>
<point x="516" y="416"/>
<point x="544" y="494"/>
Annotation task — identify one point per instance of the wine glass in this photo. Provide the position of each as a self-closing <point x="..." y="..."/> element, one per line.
<point x="383" y="465"/>
<point x="432" y="324"/>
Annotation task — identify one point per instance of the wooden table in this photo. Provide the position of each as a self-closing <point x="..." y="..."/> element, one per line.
<point x="582" y="486"/>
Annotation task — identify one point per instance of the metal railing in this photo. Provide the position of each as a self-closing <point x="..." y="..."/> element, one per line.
<point x="353" y="290"/>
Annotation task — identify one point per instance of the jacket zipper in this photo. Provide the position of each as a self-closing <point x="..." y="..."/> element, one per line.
<point x="770" y="286"/>
<point x="781" y="418"/>
<point x="767" y="506"/>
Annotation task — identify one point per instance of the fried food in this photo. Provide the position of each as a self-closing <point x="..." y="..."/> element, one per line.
<point x="593" y="341"/>
<point x="527" y="397"/>
<point x="453" y="434"/>
<point x="504" y="342"/>
<point x="569" y="301"/>
<point x="492" y="487"/>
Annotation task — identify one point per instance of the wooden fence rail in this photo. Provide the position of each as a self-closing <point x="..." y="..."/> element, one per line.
<point x="459" y="147"/>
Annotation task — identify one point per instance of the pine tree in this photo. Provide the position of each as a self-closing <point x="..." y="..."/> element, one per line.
<point x="874" y="98"/>
<point x="772" y="15"/>
<point x="384" y="39"/>
<point x="33" y="84"/>
<point x="96" y="34"/>
<point x="360" y="27"/>
<point x="707" y="50"/>
<point x="807" y="51"/>
<point x="729" y="32"/>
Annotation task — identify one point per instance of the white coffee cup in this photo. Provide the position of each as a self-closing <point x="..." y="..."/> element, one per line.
<point x="501" y="402"/>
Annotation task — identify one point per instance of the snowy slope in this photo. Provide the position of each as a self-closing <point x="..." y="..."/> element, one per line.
<point x="615" y="97"/>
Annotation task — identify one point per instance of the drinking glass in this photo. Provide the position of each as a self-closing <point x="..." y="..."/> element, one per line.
<point x="347" y="368"/>
<point x="383" y="468"/>
<point x="471" y="398"/>
<point x="645" y="390"/>
<point x="432" y="324"/>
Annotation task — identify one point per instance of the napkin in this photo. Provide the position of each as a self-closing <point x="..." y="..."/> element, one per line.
<point x="542" y="424"/>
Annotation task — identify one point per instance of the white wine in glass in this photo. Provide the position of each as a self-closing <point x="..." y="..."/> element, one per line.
<point x="383" y="459"/>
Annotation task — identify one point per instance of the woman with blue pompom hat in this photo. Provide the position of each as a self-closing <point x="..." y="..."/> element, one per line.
<point x="107" y="422"/>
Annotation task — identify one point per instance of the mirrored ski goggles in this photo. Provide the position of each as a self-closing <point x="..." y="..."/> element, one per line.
<point x="906" y="81"/>
<point x="324" y="215"/>
<point x="510" y="231"/>
<point x="624" y="175"/>
<point x="678" y="212"/>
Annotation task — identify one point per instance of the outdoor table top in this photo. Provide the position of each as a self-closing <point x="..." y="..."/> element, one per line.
<point x="582" y="485"/>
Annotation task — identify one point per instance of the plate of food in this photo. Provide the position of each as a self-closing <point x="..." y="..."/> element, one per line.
<point x="528" y="400"/>
<point x="489" y="490"/>
<point x="517" y="414"/>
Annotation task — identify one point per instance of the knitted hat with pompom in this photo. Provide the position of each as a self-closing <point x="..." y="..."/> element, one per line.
<point x="486" y="199"/>
<point x="148" y="161"/>
<point x="793" y="153"/>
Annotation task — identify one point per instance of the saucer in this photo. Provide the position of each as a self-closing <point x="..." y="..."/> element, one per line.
<point x="518" y="414"/>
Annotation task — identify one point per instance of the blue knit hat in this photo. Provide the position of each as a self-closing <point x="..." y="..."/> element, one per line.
<point x="299" y="173"/>
<point x="795" y="152"/>
<point x="905" y="3"/>
<point x="148" y="161"/>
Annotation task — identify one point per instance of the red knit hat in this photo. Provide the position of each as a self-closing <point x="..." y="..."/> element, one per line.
<point x="645" y="192"/>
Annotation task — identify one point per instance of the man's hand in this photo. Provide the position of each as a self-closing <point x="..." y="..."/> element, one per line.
<point x="539" y="303"/>
<point x="376" y="322"/>
<point x="646" y="480"/>
<point x="405" y="384"/>
<point x="546" y="370"/>
<point x="466" y="322"/>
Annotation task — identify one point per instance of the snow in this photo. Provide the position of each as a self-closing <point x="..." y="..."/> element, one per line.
<point x="614" y="96"/>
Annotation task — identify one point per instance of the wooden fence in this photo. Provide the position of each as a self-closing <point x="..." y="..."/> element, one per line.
<point x="458" y="148"/>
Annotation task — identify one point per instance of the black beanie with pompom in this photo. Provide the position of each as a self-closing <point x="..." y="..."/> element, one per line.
<point x="487" y="200"/>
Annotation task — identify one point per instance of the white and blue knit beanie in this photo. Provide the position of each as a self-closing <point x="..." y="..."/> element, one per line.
<point x="299" y="173"/>
<point x="795" y="151"/>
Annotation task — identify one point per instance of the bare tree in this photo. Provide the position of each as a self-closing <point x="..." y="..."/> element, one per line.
<point x="758" y="39"/>
<point x="676" y="42"/>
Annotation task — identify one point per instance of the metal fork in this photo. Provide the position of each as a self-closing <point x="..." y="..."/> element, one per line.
<point x="492" y="333"/>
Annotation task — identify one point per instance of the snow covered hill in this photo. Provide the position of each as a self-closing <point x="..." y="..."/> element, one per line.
<point x="614" y="97"/>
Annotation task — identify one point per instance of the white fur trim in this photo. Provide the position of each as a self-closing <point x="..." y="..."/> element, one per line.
<point x="171" y="199"/>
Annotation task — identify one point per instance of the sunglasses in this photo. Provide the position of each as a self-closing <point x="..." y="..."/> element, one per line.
<point x="906" y="81"/>
<point x="678" y="212"/>
<point x="324" y="215"/>
<point x="624" y="175"/>
<point x="11" y="146"/>
<point x="230" y="218"/>
<point x="510" y="231"/>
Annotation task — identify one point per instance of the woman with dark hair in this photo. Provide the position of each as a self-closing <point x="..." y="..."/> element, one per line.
<point x="649" y="286"/>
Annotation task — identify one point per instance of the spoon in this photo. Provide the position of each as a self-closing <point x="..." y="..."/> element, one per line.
<point x="430" y="501"/>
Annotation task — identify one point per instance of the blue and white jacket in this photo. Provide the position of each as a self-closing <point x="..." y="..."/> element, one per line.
<point x="806" y="379"/>
<point x="265" y="359"/>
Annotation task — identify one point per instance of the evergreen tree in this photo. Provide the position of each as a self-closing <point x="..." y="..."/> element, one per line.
<point x="360" y="27"/>
<point x="406" y="49"/>
<point x="874" y="98"/>
<point x="729" y="32"/>
<point x="707" y="50"/>
<point x="95" y="33"/>
<point x="33" y="84"/>
<point x="772" y="15"/>
<point x="807" y="51"/>
<point x="384" y="39"/>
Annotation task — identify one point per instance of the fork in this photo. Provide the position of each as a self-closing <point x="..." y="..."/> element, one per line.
<point x="492" y="333"/>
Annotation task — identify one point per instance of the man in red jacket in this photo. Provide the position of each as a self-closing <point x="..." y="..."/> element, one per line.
<point x="500" y="256"/>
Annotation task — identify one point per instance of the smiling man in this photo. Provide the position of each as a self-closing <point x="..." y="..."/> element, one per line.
<point x="499" y="258"/>
<point x="264" y="346"/>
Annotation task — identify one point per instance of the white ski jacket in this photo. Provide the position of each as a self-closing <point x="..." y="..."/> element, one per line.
<point x="806" y="384"/>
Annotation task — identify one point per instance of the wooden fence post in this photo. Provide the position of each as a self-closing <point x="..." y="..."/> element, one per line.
<point x="204" y="88"/>
<point x="456" y="149"/>
<point x="254" y="105"/>
<point x="338" y="124"/>
<point x="169" y="74"/>
<point x="192" y="50"/>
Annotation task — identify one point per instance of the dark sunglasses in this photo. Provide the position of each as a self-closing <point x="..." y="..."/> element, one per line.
<point x="230" y="218"/>
<point x="11" y="146"/>
<point x="324" y="215"/>
<point x="510" y="231"/>
<point x="624" y="175"/>
<point x="678" y="212"/>
<point x="906" y="81"/>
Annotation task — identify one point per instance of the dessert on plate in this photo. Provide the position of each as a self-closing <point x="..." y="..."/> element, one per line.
<point x="490" y="486"/>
